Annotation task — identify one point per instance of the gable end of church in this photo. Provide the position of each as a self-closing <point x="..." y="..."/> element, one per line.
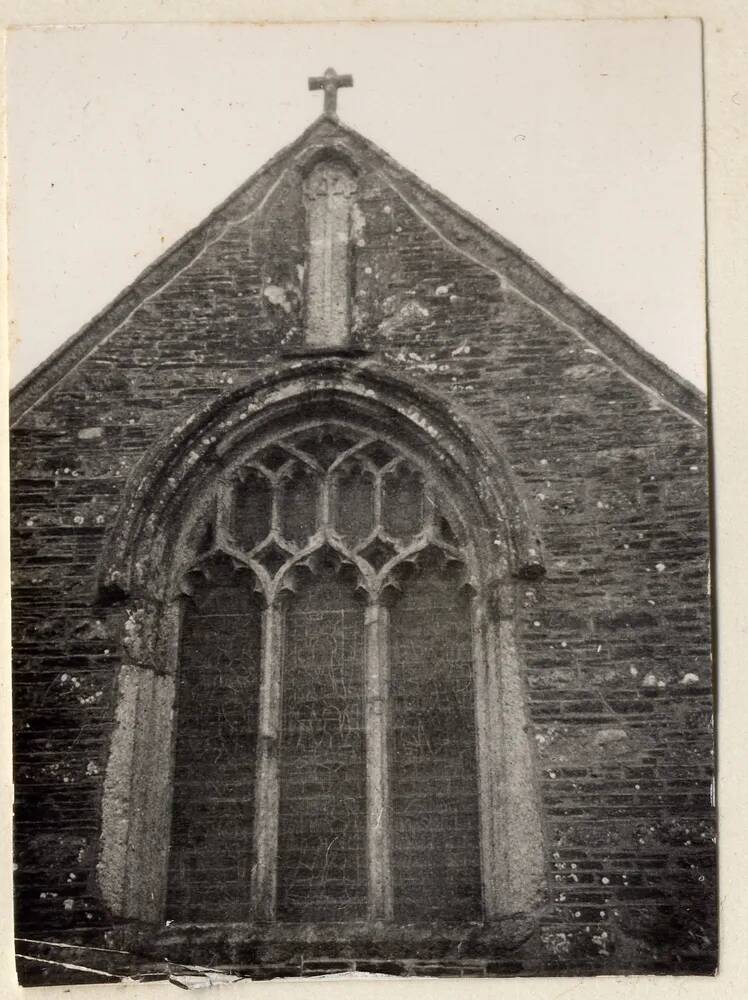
<point x="471" y="240"/>
<point x="361" y="611"/>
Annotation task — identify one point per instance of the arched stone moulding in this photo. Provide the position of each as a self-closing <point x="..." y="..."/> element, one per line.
<point x="157" y="482"/>
<point x="168" y="494"/>
<point x="326" y="151"/>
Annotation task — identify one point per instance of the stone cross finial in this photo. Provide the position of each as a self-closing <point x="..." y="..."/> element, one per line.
<point x="330" y="83"/>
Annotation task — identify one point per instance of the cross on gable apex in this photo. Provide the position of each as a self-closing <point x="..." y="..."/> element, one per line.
<point x="330" y="83"/>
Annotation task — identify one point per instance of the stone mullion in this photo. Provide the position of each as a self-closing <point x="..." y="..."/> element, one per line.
<point x="429" y="513"/>
<point x="325" y="518"/>
<point x="267" y="783"/>
<point x="377" y="764"/>
<point x="223" y="512"/>
<point x="378" y="501"/>
<point x="275" y="506"/>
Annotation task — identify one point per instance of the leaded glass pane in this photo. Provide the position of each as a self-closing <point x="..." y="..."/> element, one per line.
<point x="214" y="771"/>
<point x="272" y="556"/>
<point x="433" y="770"/>
<point x="354" y="502"/>
<point x="403" y="502"/>
<point x="322" y="838"/>
<point x="379" y="453"/>
<point x="273" y="457"/>
<point x="446" y="531"/>
<point x="253" y="504"/>
<point x="378" y="552"/>
<point x="325" y="444"/>
<point x="298" y="500"/>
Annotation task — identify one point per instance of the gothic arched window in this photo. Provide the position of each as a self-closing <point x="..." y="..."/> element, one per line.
<point x="334" y="775"/>
<point x="321" y="715"/>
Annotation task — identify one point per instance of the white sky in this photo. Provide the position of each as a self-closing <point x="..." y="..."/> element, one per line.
<point x="579" y="141"/>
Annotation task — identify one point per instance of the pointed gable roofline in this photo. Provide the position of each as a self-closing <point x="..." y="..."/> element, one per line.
<point x="515" y="270"/>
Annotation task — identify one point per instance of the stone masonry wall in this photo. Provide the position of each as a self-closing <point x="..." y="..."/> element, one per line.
<point x="615" y="637"/>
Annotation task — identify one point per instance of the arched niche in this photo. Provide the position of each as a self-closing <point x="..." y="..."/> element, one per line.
<point x="329" y="192"/>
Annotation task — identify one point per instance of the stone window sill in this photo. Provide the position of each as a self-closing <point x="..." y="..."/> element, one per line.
<point x="281" y="942"/>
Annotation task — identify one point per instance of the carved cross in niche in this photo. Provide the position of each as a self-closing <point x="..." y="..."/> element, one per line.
<point x="329" y="191"/>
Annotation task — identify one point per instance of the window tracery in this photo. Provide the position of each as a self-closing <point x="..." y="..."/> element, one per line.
<point x="326" y="486"/>
<point x="339" y="531"/>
